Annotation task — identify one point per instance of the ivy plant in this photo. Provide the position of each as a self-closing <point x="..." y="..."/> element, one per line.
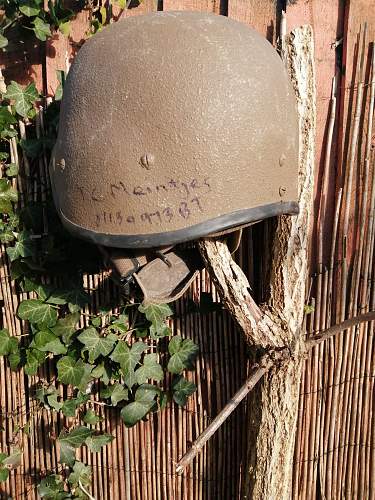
<point x="31" y="16"/>
<point x="120" y="359"/>
<point x="115" y="359"/>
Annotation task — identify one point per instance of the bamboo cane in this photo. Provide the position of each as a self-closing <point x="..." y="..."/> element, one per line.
<point x="335" y="417"/>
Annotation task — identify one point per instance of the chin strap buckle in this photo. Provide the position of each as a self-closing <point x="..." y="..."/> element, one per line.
<point x="163" y="257"/>
<point x="128" y="278"/>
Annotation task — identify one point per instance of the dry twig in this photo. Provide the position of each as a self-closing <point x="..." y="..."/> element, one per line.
<point x="267" y="361"/>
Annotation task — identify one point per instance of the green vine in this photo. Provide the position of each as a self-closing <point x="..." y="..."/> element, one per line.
<point x="30" y="16"/>
<point x="118" y="357"/>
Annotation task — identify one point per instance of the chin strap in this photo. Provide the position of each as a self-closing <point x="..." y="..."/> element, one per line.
<point x="162" y="274"/>
<point x="163" y="281"/>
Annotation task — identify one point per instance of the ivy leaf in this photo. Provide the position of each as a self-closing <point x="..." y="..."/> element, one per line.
<point x="182" y="389"/>
<point x="64" y="28"/>
<point x="160" y="331"/>
<point x="24" y="247"/>
<point x="141" y="333"/>
<point x="23" y="98"/>
<point x="130" y="379"/>
<point x="6" y="236"/>
<point x="120" y="3"/>
<point x="163" y="400"/>
<point x="70" y="371"/>
<point x="37" y="311"/>
<point x="50" y="294"/>
<point x="76" y="437"/>
<point x="53" y="400"/>
<point x="70" y="406"/>
<point x="95" y="443"/>
<point x="3" y="41"/>
<point x="138" y="409"/>
<point x="29" y="9"/>
<point x="81" y="474"/>
<point x="6" y="119"/>
<point x="13" y="220"/>
<point x="87" y="377"/>
<point x="120" y="324"/>
<point x="41" y="29"/>
<point x="117" y="392"/>
<point x="156" y="314"/>
<point x="12" y="170"/>
<point x="52" y="488"/>
<point x="42" y="391"/>
<point x="9" y="462"/>
<point x="128" y="357"/>
<point x="76" y="298"/>
<point x="58" y="13"/>
<point x="96" y="321"/>
<point x="91" y="418"/>
<point x="70" y="441"/>
<point x="102" y="371"/>
<point x="183" y="352"/>
<point x="66" y="327"/>
<point x="18" y="269"/>
<point x="96" y="345"/>
<point x="8" y="344"/>
<point x="8" y="195"/>
<point x="14" y="359"/>
<point x="46" y="341"/>
<point x="4" y="474"/>
<point x="13" y="460"/>
<point x="150" y="369"/>
<point x="76" y="373"/>
<point x="61" y="77"/>
<point x="34" y="359"/>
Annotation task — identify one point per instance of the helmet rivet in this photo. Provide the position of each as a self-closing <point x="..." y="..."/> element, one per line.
<point x="61" y="164"/>
<point x="147" y="160"/>
<point x="282" y="160"/>
<point x="282" y="191"/>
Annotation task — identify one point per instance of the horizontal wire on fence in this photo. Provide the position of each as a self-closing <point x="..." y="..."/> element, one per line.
<point x="349" y="87"/>
<point x="61" y="469"/>
<point x="336" y="448"/>
<point x="17" y="413"/>
<point x="346" y="381"/>
<point x="52" y="412"/>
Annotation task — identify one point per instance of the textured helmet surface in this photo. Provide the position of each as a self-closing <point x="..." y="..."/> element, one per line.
<point x="173" y="126"/>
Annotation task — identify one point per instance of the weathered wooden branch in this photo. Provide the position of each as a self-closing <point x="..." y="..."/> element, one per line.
<point x="256" y="373"/>
<point x="233" y="287"/>
<point x="267" y="361"/>
<point x="277" y="327"/>
<point x="341" y="327"/>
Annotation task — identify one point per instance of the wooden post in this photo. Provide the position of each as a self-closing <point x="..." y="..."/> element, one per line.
<point x="278" y="325"/>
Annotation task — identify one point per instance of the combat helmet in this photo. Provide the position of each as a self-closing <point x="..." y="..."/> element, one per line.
<point x="174" y="126"/>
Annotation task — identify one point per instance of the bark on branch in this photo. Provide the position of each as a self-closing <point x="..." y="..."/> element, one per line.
<point x="258" y="370"/>
<point x="256" y="373"/>
<point x="277" y="327"/>
<point x="341" y="327"/>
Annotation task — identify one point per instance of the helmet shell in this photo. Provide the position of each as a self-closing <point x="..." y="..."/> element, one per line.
<point x="173" y="126"/>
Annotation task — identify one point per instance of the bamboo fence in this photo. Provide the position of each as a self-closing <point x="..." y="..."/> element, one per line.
<point x="335" y="441"/>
